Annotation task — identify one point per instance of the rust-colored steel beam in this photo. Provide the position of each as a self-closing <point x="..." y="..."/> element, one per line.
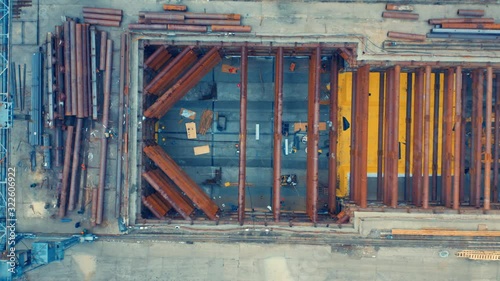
<point x="85" y="67"/>
<point x="406" y="36"/>
<point x="105" y="121"/>
<point x="158" y="58"/>
<point x="313" y="134"/>
<point x="75" y="165"/>
<point x="447" y="152"/>
<point x="102" y="22"/>
<point x="212" y="16"/>
<point x="278" y="114"/>
<point x="400" y="15"/>
<point x="408" y="140"/>
<point x="190" y="28"/>
<point x="418" y="124"/>
<point x="101" y="17"/>
<point x="470" y="13"/>
<point x="182" y="180"/>
<point x="171" y="7"/>
<point x="102" y="53"/>
<point x="487" y="152"/>
<point x="333" y="135"/>
<point x="162" y="184"/>
<point x="462" y="20"/>
<point x="79" y="71"/>
<point x="164" y="16"/>
<point x="147" y="26"/>
<point x="174" y="68"/>
<point x="479" y="92"/>
<point x="242" y="174"/>
<point x="231" y="28"/>
<point x="397" y="7"/>
<point x="380" y="144"/>
<point x="106" y="11"/>
<point x="392" y="116"/>
<point x="389" y="108"/>
<point x="362" y="121"/>
<point x="157" y="205"/>
<point x="435" y="139"/>
<point x="66" y="170"/>
<point x="496" y="141"/>
<point x="457" y="167"/>
<point x="67" y="69"/>
<point x="427" y="133"/>
<point x="185" y="83"/>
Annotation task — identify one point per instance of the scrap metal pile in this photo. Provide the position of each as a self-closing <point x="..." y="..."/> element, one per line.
<point x="176" y="18"/>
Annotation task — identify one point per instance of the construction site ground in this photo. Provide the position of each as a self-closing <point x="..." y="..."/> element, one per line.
<point x="148" y="258"/>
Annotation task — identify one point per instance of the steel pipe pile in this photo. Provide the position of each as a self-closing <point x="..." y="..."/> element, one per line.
<point x="167" y="190"/>
<point x="182" y="180"/>
<point x="418" y="124"/>
<point x="447" y="149"/>
<point x="75" y="165"/>
<point x="313" y="135"/>
<point x="102" y="16"/>
<point x="242" y="172"/>
<point x="189" y="80"/>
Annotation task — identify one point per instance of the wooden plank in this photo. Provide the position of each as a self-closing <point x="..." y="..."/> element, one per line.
<point x="440" y="232"/>
<point x="204" y="149"/>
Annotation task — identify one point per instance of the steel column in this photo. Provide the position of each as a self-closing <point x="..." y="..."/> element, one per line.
<point x="67" y="69"/>
<point x="105" y="121"/>
<point x="243" y="135"/>
<point x="79" y="72"/>
<point x="497" y="139"/>
<point x="380" y="144"/>
<point x="363" y="81"/>
<point x="418" y="122"/>
<point x="313" y="134"/>
<point x="487" y="152"/>
<point x="458" y="138"/>
<point x="333" y="135"/>
<point x="278" y="114"/>
<point x="389" y="108"/>
<point x="465" y="87"/>
<point x="66" y="170"/>
<point x="479" y="91"/>
<point x="427" y="133"/>
<point x="393" y="137"/>
<point x="435" y="137"/>
<point x="408" y="140"/>
<point x="123" y="57"/>
<point x="74" y="169"/>
<point x="352" y="170"/>
<point x="447" y="150"/>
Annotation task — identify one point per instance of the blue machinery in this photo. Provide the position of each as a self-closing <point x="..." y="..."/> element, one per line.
<point x="40" y="254"/>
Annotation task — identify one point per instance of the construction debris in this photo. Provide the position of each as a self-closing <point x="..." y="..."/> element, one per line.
<point x="206" y="121"/>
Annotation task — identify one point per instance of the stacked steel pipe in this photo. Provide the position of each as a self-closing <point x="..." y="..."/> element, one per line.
<point x="102" y="16"/>
<point x="472" y="25"/>
<point x="169" y="193"/>
<point x="180" y="179"/>
<point x="185" y="83"/>
<point x="175" y="18"/>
